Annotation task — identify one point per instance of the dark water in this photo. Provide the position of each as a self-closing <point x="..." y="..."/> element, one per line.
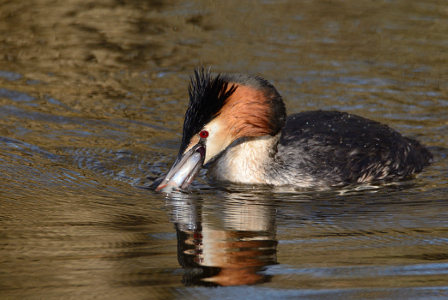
<point x="92" y="96"/>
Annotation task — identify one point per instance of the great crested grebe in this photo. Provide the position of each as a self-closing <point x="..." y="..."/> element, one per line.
<point x="236" y="125"/>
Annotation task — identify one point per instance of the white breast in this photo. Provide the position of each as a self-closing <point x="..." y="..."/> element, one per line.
<point x="245" y="162"/>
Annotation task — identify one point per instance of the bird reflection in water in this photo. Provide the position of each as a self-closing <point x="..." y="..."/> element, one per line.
<point x="224" y="244"/>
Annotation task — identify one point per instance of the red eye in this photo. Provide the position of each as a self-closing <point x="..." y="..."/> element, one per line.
<point x="203" y="134"/>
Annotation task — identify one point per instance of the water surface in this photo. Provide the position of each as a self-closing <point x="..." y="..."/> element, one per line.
<point x="92" y="97"/>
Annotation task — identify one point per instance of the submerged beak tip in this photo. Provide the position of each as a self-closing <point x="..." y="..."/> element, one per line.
<point x="160" y="187"/>
<point x="183" y="170"/>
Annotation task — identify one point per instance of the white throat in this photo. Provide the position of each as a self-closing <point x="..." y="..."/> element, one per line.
<point x="245" y="162"/>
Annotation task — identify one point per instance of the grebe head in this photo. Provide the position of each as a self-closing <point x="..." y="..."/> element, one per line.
<point x="228" y="109"/>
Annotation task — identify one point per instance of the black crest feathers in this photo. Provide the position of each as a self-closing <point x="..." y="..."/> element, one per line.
<point x="208" y="94"/>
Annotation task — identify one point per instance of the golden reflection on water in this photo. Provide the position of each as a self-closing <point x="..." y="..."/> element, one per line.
<point x="92" y="97"/>
<point x="225" y="247"/>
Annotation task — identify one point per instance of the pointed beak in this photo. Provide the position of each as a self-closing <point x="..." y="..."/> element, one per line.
<point x="184" y="169"/>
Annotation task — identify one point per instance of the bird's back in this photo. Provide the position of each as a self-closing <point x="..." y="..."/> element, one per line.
<point x="334" y="148"/>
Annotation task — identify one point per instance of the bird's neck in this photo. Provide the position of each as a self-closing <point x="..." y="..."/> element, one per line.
<point x="246" y="161"/>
